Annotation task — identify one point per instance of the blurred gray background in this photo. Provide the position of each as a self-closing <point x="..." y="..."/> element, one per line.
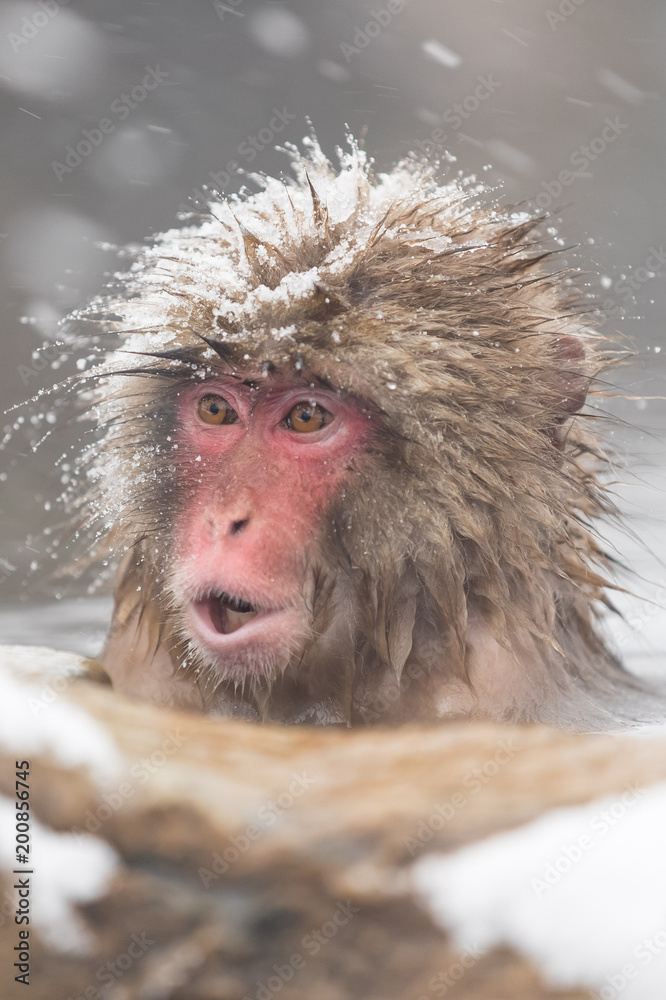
<point x="114" y="115"/>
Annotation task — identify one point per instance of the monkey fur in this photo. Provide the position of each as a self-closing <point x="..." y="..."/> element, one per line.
<point x="455" y="571"/>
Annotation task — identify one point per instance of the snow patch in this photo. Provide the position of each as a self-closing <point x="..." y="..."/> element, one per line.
<point x="579" y="892"/>
<point x="29" y="724"/>
<point x="68" y="871"/>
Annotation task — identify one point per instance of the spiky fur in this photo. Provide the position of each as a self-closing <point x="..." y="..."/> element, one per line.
<point x="464" y="538"/>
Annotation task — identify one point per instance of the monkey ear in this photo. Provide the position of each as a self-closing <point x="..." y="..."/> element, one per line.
<point x="568" y="384"/>
<point x="571" y="385"/>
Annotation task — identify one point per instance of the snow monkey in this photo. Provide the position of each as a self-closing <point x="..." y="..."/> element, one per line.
<point x="341" y="463"/>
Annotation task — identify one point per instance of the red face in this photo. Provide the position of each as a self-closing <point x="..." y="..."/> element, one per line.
<point x="261" y="461"/>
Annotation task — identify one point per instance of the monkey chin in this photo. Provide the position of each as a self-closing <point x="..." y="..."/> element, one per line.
<point x="260" y="648"/>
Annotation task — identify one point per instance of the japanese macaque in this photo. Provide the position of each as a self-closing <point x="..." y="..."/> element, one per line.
<point x="342" y="465"/>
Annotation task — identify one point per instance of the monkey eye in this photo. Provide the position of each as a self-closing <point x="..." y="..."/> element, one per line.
<point x="214" y="409"/>
<point x="307" y="417"/>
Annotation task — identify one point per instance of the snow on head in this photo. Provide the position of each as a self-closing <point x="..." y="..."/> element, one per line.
<point x="579" y="892"/>
<point x="225" y="264"/>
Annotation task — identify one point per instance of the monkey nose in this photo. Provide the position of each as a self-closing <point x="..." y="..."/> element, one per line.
<point x="237" y="527"/>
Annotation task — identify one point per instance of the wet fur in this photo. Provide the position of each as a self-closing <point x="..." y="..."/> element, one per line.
<point x="458" y="573"/>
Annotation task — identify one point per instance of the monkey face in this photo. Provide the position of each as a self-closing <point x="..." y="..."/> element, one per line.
<point x="260" y="459"/>
<point x="356" y="553"/>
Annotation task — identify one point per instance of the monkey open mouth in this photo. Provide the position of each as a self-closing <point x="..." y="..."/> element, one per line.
<point x="226" y="613"/>
<point x="228" y="627"/>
